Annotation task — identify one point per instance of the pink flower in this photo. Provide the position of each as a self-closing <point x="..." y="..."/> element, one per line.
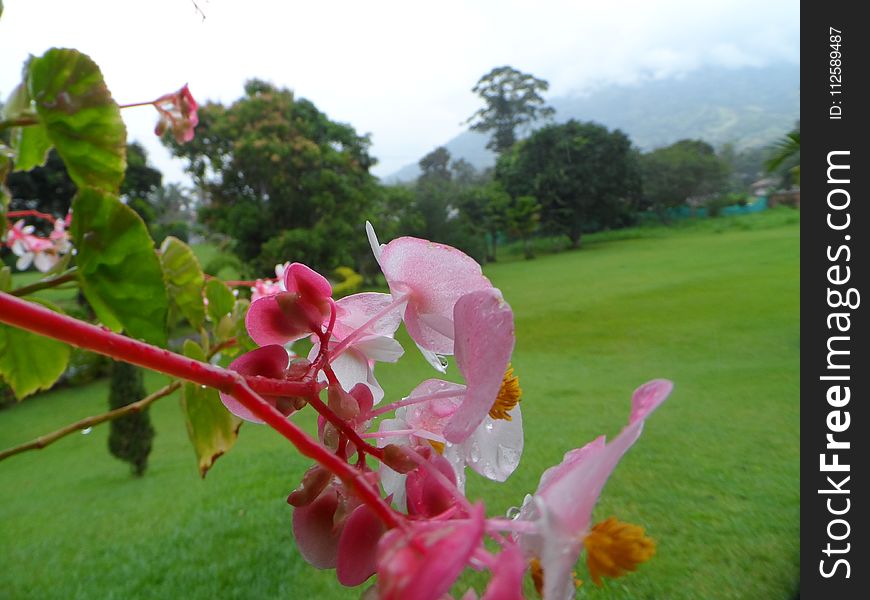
<point x="431" y="277"/>
<point x="423" y="560"/>
<point x="32" y="249"/>
<point x="178" y="112"/>
<point x="567" y="493"/>
<point x="293" y="314"/>
<point x="268" y="361"/>
<point x="270" y="287"/>
<point x="363" y="333"/>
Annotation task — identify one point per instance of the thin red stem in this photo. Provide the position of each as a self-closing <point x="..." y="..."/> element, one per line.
<point x="37" y="319"/>
<point x="16" y="214"/>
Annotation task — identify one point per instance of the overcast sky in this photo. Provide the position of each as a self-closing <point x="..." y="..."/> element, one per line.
<point x="400" y="70"/>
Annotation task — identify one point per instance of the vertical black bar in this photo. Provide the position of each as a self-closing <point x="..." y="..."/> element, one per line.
<point x="835" y="170"/>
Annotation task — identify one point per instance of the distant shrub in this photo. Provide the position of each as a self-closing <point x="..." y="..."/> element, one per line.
<point x="130" y="436"/>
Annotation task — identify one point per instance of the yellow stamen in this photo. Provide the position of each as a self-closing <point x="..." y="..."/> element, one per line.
<point x="537" y="572"/>
<point x="614" y="548"/>
<point x="439" y="446"/>
<point x="509" y="395"/>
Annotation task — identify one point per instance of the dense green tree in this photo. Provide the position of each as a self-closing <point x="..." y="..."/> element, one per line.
<point x="522" y="217"/>
<point x="584" y="177"/>
<point x="130" y="436"/>
<point x="434" y="192"/>
<point x="686" y="169"/>
<point x="785" y="158"/>
<point x="486" y="208"/>
<point x="278" y="176"/>
<point x="512" y="99"/>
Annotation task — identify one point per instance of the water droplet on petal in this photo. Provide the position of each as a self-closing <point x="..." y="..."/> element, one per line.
<point x="475" y="452"/>
<point x="87" y="430"/>
<point x="513" y="513"/>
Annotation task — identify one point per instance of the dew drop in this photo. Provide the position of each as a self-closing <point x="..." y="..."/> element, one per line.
<point x="513" y="513"/>
<point x="87" y="430"/>
<point x="475" y="452"/>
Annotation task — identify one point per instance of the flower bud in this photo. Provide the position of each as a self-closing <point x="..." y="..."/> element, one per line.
<point x="329" y="437"/>
<point x="398" y="460"/>
<point x="313" y="483"/>
<point x="341" y="403"/>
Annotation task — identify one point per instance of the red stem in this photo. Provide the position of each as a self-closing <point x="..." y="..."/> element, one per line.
<point x="37" y="319"/>
<point x="14" y="214"/>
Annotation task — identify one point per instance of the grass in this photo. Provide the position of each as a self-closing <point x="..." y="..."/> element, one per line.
<point x="714" y="478"/>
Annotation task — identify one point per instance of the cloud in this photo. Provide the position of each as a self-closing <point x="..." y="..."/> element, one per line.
<point x="400" y="70"/>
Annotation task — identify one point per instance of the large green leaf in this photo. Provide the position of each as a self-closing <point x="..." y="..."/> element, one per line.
<point x="30" y="144"/>
<point x="120" y="272"/>
<point x="184" y="279"/>
<point x="80" y="117"/>
<point x="5" y="196"/>
<point x="30" y="362"/>
<point x="212" y="428"/>
<point x="220" y="299"/>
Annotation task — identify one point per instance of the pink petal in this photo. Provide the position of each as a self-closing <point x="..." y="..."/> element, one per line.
<point x="507" y="575"/>
<point x="310" y="284"/>
<point x="355" y="310"/>
<point x="484" y="344"/>
<point x="436" y="276"/>
<point x="571" y="494"/>
<point x="648" y="397"/>
<point x="426" y="496"/>
<point x="267" y="361"/>
<point x="267" y="323"/>
<point x="357" y="547"/>
<point x="423" y="561"/>
<point x="315" y="532"/>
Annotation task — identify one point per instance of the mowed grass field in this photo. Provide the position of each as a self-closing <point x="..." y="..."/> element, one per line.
<point x="714" y="478"/>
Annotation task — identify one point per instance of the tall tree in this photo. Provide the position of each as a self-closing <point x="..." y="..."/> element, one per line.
<point x="686" y="169"/>
<point x="282" y="179"/>
<point x="584" y="177"/>
<point x="512" y="100"/>
<point x="786" y="157"/>
<point x="130" y="436"/>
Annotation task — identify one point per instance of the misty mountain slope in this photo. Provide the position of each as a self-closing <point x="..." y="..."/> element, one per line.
<point x="747" y="107"/>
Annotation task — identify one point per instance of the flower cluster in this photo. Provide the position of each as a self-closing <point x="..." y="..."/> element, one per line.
<point x="178" y="113"/>
<point x="424" y="443"/>
<point x="43" y="253"/>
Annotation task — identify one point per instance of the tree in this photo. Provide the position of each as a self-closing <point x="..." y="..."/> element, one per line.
<point x="282" y="179"/>
<point x="434" y="193"/>
<point x="786" y="157"/>
<point x="486" y="207"/>
<point x="584" y="177"/>
<point x="512" y="100"/>
<point x="523" y="216"/>
<point x="130" y="436"/>
<point x="686" y="169"/>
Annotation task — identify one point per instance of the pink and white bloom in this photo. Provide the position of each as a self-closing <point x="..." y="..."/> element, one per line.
<point x="431" y="278"/>
<point x="562" y="505"/>
<point x="362" y="335"/>
<point x="33" y="250"/>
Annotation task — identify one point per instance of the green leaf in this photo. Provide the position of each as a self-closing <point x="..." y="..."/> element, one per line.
<point x="31" y="145"/>
<point x="80" y="117"/>
<point x="220" y="299"/>
<point x="5" y="196"/>
<point x="119" y="269"/>
<point x="184" y="279"/>
<point x="30" y="362"/>
<point x="211" y="427"/>
<point x="5" y="279"/>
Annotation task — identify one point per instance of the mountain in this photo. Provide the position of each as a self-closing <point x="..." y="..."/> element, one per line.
<point x="747" y="107"/>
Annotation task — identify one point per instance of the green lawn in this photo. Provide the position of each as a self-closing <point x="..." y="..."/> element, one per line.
<point x="713" y="306"/>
